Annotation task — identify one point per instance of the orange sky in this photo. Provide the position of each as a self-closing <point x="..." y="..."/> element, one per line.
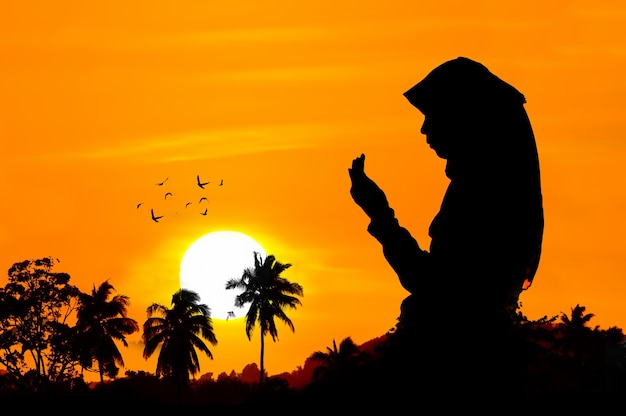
<point x="99" y="102"/>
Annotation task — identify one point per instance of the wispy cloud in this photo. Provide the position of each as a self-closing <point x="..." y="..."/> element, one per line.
<point x="237" y="140"/>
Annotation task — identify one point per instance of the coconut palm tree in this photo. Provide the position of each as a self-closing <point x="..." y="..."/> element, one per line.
<point x="268" y="294"/>
<point x="179" y="330"/>
<point x="597" y="357"/>
<point x="576" y="343"/>
<point x="101" y="320"/>
<point x="574" y="333"/>
<point x="579" y="319"/>
<point x="336" y="360"/>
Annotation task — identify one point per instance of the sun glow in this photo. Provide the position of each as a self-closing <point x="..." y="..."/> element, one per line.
<point x="213" y="259"/>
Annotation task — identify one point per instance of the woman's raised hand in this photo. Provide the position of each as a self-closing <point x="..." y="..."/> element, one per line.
<point x="365" y="192"/>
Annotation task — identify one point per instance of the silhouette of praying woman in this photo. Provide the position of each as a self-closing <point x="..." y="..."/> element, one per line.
<point x="486" y="239"/>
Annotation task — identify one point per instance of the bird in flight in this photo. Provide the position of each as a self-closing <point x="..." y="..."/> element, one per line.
<point x="161" y="183"/>
<point x="139" y="204"/>
<point x="168" y="194"/>
<point x="187" y="204"/>
<point x="204" y="198"/>
<point x="221" y="182"/>
<point x="230" y="314"/>
<point x="205" y="211"/>
<point x="154" y="218"/>
<point x="201" y="184"/>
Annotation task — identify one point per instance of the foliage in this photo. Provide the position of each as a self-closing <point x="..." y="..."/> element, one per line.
<point x="35" y="338"/>
<point x="593" y="357"/>
<point x="40" y="352"/>
<point x="337" y="360"/>
<point x="563" y="354"/>
<point x="102" y="319"/>
<point x="179" y="331"/>
<point x="268" y="294"/>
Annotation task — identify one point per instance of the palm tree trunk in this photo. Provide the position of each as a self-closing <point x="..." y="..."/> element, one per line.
<point x="101" y="371"/>
<point x="261" y="362"/>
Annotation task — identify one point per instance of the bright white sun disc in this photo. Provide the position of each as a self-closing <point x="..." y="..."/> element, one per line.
<point x="213" y="259"/>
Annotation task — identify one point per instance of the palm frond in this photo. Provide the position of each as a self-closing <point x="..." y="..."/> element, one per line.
<point x="156" y="309"/>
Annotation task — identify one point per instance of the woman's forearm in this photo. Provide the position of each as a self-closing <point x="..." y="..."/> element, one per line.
<point x="402" y="251"/>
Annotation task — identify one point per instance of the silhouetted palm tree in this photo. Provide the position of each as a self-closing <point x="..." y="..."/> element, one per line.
<point x="573" y="332"/>
<point x="268" y="295"/>
<point x="101" y="319"/>
<point x="597" y="357"/>
<point x="577" y="343"/>
<point x="336" y="360"/>
<point x="179" y="331"/>
<point x="578" y="320"/>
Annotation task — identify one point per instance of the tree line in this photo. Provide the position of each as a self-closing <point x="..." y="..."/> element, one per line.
<point x="50" y="331"/>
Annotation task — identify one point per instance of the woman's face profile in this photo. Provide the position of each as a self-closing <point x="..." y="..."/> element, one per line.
<point x="445" y="129"/>
<point x="439" y="132"/>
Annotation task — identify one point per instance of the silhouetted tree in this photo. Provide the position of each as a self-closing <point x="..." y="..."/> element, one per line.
<point x="575" y="335"/>
<point x="595" y="356"/>
<point x="179" y="331"/>
<point x="336" y="360"/>
<point x="35" y="343"/>
<point x="579" y="319"/>
<point x="268" y="294"/>
<point x="614" y="348"/>
<point x="250" y="373"/>
<point x="102" y="319"/>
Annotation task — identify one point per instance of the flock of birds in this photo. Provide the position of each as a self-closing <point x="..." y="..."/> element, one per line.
<point x="202" y="200"/>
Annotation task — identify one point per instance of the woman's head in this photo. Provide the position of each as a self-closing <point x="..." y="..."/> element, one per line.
<point x="462" y="85"/>
<point x="465" y="106"/>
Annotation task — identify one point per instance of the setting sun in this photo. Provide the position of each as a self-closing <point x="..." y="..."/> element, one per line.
<point x="213" y="259"/>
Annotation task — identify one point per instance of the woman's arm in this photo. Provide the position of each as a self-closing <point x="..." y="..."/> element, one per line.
<point x="403" y="253"/>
